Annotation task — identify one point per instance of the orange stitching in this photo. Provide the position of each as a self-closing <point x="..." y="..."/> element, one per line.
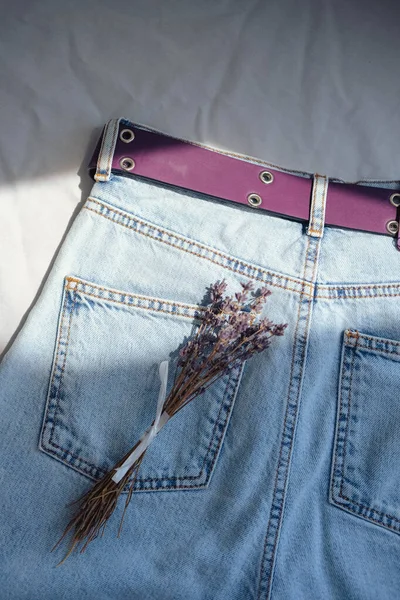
<point x="57" y="398"/>
<point x="60" y="329"/>
<point x="232" y="397"/>
<point x="82" y="469"/>
<point x="355" y="288"/>
<point x="347" y="415"/>
<point x="362" y="286"/>
<point x="378" y="339"/>
<point x="284" y="427"/>
<point x="351" y="334"/>
<point x="212" y="438"/>
<point x="357" y="297"/>
<point x="322" y="287"/>
<point x="192" y="307"/>
<point x="131" y="216"/>
<point x="336" y="437"/>
<point x="144" y="307"/>
<point x="342" y="467"/>
<point x="195" y="243"/>
<point x="200" y="256"/>
<point x="376" y="349"/>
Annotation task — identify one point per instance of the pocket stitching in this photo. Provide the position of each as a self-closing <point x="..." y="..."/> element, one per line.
<point x="56" y="363"/>
<point x="352" y="333"/>
<point x="224" y="407"/>
<point x="56" y="399"/>
<point x="190" y="307"/>
<point x="341" y="289"/>
<point x="244" y="264"/>
<point x="339" y="464"/>
<point x="217" y="423"/>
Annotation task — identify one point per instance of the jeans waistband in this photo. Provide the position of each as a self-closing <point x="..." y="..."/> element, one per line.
<point x="132" y="149"/>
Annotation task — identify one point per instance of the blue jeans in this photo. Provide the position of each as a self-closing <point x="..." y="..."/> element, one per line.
<point x="281" y="481"/>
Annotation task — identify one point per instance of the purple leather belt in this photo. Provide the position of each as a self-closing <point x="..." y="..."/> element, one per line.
<point x="155" y="155"/>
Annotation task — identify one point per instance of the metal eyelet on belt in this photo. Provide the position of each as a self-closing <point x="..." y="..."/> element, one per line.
<point x="126" y="135"/>
<point x="127" y="164"/>
<point x="395" y="199"/>
<point x="254" y="200"/>
<point x="266" y="177"/>
<point x="392" y="226"/>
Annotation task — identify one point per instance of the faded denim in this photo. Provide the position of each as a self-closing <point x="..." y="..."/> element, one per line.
<point x="281" y="482"/>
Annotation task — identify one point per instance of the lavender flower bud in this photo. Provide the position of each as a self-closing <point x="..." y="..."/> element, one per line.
<point x="247" y="286"/>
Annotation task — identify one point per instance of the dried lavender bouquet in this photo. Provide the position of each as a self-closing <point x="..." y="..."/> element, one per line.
<point x="228" y="335"/>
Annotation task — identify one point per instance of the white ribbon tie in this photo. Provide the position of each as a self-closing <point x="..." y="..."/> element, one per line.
<point x="151" y="432"/>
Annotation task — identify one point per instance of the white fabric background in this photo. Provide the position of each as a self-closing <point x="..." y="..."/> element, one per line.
<point x="311" y="85"/>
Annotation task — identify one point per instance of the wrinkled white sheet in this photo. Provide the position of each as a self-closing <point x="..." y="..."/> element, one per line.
<point x="311" y="85"/>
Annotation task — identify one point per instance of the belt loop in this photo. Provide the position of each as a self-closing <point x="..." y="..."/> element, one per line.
<point x="104" y="161"/>
<point x="318" y="205"/>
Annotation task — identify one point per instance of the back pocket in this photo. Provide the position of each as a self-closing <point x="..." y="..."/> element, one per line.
<point x="365" y="476"/>
<point x="104" y="388"/>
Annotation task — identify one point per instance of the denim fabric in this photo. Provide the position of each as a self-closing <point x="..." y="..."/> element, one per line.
<point x="281" y="482"/>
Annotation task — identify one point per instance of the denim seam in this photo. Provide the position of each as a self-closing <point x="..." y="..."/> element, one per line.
<point x="71" y="312"/>
<point x="217" y="422"/>
<point x="284" y="435"/>
<point x="339" y="464"/>
<point x="208" y="249"/>
<point x="58" y="347"/>
<point x="349" y="401"/>
<point x="93" y="466"/>
<point x="171" y="303"/>
<point x="57" y="395"/>
<point x="56" y="399"/>
<point x="373" y="350"/>
<point x="362" y="336"/>
<point x="356" y="288"/>
<point x="224" y="407"/>
<point x="153" y="308"/>
<point x="298" y="284"/>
